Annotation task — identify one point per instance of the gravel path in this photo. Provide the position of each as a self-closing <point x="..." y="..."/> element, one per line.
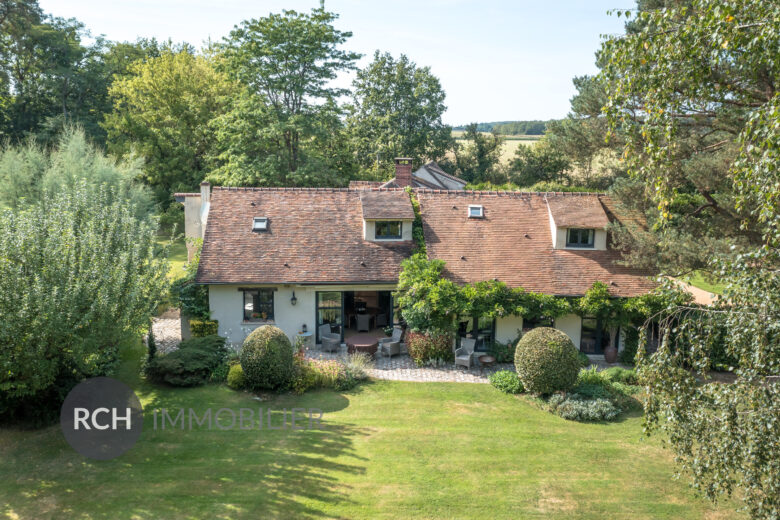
<point x="167" y="331"/>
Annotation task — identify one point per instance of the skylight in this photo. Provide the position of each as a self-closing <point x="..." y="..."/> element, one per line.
<point x="260" y="224"/>
<point x="475" y="211"/>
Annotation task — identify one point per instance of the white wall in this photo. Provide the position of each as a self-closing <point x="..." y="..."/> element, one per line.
<point x="369" y="231"/>
<point x="226" y="303"/>
<point x="571" y="324"/>
<point x="507" y="328"/>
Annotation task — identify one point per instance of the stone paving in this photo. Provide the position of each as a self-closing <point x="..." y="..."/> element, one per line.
<point x="402" y="368"/>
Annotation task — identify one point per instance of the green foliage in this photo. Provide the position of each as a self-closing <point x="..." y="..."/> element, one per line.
<point x="30" y="173"/>
<point x="417" y="226"/>
<point x="191" y="364"/>
<point x="200" y="328"/>
<point x="285" y="127"/>
<point x="620" y="375"/>
<point x="584" y="359"/>
<point x="575" y="407"/>
<point x="151" y="346"/>
<point x="546" y="361"/>
<point x="78" y="273"/>
<point x="267" y="359"/>
<point x="504" y="352"/>
<point x="506" y="381"/>
<point x="192" y="298"/>
<point x="430" y="346"/>
<point x="591" y="376"/>
<point x="630" y="345"/>
<point x="427" y="300"/>
<point x="397" y="113"/>
<point x="538" y="163"/>
<point x="235" y="377"/>
<point x="162" y="110"/>
<point x="479" y="160"/>
<point x="511" y="127"/>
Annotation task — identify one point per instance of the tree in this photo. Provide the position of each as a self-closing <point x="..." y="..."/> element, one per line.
<point x="478" y="160"/>
<point x="162" y="111"/>
<point x="692" y="87"/>
<point x="78" y="274"/>
<point x="30" y="173"/>
<point x="287" y="62"/>
<point x="397" y="113"/>
<point x="538" y="163"/>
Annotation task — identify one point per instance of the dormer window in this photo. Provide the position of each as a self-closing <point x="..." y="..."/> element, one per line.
<point x="388" y="230"/>
<point x="580" y="237"/>
<point x="260" y="224"/>
<point x="476" y="211"/>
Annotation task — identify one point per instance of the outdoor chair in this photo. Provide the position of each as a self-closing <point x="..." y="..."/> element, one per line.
<point x="331" y="341"/>
<point x="363" y="322"/>
<point x="464" y="353"/>
<point x="380" y="320"/>
<point x="392" y="345"/>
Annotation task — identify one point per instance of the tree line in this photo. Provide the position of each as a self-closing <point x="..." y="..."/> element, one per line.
<point x="535" y="127"/>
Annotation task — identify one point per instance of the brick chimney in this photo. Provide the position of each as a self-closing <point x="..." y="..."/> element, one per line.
<point x="403" y="171"/>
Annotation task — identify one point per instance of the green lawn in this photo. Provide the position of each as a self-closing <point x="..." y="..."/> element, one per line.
<point x="389" y="450"/>
<point x="699" y="280"/>
<point x="177" y="256"/>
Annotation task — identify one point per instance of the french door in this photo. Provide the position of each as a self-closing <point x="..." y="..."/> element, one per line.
<point x="330" y="310"/>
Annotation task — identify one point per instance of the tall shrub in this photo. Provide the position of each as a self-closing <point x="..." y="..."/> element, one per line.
<point x="546" y="361"/>
<point x="267" y="359"/>
<point x="78" y="272"/>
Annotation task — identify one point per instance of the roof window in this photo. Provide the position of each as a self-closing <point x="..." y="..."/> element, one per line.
<point x="260" y="224"/>
<point x="475" y="211"/>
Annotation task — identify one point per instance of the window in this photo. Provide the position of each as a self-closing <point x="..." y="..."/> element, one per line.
<point x="260" y="224"/>
<point x="542" y="321"/>
<point x="389" y="229"/>
<point x="330" y="310"/>
<point x="258" y="304"/>
<point x="593" y="336"/>
<point x="482" y="328"/>
<point x="576" y="237"/>
<point x="475" y="211"/>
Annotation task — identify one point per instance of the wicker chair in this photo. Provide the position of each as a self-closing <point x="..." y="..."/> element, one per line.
<point x="331" y="341"/>
<point x="465" y="352"/>
<point x="363" y="322"/>
<point x="392" y="345"/>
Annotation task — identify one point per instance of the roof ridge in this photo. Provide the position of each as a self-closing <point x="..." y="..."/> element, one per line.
<point x="442" y="172"/>
<point x="304" y="189"/>
<point x="510" y="193"/>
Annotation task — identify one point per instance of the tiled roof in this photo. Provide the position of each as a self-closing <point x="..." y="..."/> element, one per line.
<point x="315" y="235"/>
<point x="386" y="205"/>
<point x="434" y="168"/>
<point x="577" y="210"/>
<point x="512" y="243"/>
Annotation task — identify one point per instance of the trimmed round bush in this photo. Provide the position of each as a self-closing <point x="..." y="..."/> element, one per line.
<point x="546" y="361"/>
<point x="267" y="359"/>
<point x="235" y="378"/>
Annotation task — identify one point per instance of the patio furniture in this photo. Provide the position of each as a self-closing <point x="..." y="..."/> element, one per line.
<point x="363" y="322"/>
<point x="306" y="337"/>
<point x="392" y="345"/>
<point x="380" y="320"/>
<point x="331" y="341"/>
<point x="486" y="361"/>
<point x="362" y="343"/>
<point x="464" y="353"/>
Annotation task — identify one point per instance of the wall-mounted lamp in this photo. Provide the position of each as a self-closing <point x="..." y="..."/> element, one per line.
<point x="293" y="300"/>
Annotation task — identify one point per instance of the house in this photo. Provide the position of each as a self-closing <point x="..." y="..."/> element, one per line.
<point x="302" y="257"/>
<point x="429" y="175"/>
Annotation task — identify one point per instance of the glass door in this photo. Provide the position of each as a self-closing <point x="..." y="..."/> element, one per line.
<point x="330" y="310"/>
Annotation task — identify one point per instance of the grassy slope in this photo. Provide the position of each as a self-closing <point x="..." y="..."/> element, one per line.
<point x="177" y="256"/>
<point x="391" y="450"/>
<point x="511" y="142"/>
<point x="699" y="280"/>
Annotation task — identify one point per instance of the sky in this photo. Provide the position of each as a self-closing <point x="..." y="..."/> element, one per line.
<point x="497" y="60"/>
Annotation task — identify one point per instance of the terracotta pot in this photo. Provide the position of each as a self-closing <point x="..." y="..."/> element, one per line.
<point x="610" y="354"/>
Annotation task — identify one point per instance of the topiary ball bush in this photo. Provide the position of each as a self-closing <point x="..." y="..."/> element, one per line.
<point x="267" y="359"/>
<point x="546" y="361"/>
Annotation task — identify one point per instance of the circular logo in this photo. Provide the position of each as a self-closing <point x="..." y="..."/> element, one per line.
<point x="101" y="418"/>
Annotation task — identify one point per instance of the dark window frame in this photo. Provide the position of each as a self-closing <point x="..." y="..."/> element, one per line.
<point x="388" y="223"/>
<point x="590" y="234"/>
<point x="265" y="306"/>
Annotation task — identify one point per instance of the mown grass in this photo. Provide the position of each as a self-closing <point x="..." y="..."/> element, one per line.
<point x="177" y="255"/>
<point x="388" y="450"/>
<point x="700" y="280"/>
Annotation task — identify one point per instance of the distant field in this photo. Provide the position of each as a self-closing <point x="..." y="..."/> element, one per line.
<point x="511" y="142"/>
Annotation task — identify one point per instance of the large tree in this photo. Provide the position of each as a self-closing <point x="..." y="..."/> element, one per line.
<point x="79" y="273"/>
<point x="693" y="88"/>
<point x="478" y="159"/>
<point x="286" y="63"/>
<point x="397" y="112"/>
<point x="162" y="110"/>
